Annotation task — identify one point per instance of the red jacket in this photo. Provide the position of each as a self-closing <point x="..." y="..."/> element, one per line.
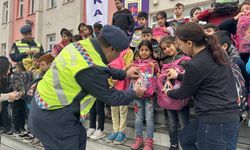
<point x="213" y="18"/>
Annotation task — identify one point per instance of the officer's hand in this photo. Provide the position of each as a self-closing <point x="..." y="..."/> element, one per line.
<point x="29" y="52"/>
<point x="139" y="90"/>
<point x="133" y="73"/>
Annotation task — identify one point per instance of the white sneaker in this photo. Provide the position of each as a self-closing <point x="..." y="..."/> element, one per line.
<point x="97" y="135"/>
<point x="90" y="132"/>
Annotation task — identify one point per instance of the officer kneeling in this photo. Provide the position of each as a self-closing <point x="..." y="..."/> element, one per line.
<point x="77" y="77"/>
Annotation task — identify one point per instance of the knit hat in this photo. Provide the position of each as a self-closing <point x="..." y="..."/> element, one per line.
<point x="116" y="37"/>
<point x="26" y="29"/>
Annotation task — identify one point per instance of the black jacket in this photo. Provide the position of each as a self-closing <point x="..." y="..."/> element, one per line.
<point x="212" y="87"/>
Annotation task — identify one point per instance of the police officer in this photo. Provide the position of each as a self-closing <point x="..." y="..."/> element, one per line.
<point x="76" y="78"/>
<point x="25" y="47"/>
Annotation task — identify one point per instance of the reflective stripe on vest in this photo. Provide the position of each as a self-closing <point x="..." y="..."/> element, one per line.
<point x="59" y="86"/>
<point x="23" y="47"/>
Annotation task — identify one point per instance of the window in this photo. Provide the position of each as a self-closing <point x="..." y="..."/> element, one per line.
<point x="51" y="41"/>
<point x="51" y="3"/>
<point x="20" y="8"/>
<point x="3" y="49"/>
<point x="5" y="13"/>
<point x="32" y="6"/>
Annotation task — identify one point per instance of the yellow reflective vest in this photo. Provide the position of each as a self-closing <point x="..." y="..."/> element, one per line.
<point x="23" y="47"/>
<point x="59" y="87"/>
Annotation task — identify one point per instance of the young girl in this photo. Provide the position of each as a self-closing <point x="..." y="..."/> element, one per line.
<point x="162" y="29"/>
<point x="66" y="39"/>
<point x="170" y="49"/>
<point x="85" y="31"/>
<point x="144" y="107"/>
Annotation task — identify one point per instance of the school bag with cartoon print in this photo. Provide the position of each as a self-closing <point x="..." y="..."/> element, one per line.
<point x="21" y="81"/>
<point x="147" y="77"/>
<point x="163" y="85"/>
<point x="241" y="91"/>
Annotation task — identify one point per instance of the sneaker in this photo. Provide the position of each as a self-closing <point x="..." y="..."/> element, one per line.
<point x="98" y="134"/>
<point x="111" y="137"/>
<point x="35" y="141"/>
<point x="120" y="139"/>
<point x="29" y="139"/>
<point x="174" y="147"/>
<point x="90" y="132"/>
<point x="23" y="135"/>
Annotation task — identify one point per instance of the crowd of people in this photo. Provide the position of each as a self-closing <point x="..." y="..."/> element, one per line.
<point x="201" y="62"/>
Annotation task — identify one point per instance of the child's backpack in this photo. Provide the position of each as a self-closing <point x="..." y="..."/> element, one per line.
<point x="222" y="7"/>
<point x="243" y="34"/>
<point x="163" y="85"/>
<point x="147" y="78"/>
<point x="136" y="38"/>
<point x="241" y="91"/>
<point x="21" y="81"/>
<point x="119" y="63"/>
<point x="158" y="33"/>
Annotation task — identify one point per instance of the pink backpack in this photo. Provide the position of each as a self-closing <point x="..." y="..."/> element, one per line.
<point x="242" y="40"/>
<point x="147" y="78"/>
<point x="119" y="63"/>
<point x="158" y="33"/>
<point x="163" y="84"/>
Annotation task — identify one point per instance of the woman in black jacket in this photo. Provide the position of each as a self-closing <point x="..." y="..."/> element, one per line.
<point x="209" y="79"/>
<point x="5" y="95"/>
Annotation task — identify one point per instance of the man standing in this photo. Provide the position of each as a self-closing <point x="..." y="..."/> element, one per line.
<point x="123" y="18"/>
<point x="76" y="79"/>
<point x="25" y="47"/>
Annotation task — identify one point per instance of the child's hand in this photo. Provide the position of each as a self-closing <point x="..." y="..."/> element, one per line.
<point x="239" y="15"/>
<point x="172" y="73"/>
<point x="165" y="29"/>
<point x="151" y="64"/>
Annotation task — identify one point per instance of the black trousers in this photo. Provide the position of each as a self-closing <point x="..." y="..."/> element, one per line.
<point x="57" y="129"/>
<point x="5" y="118"/>
<point x="19" y="114"/>
<point x="97" y="110"/>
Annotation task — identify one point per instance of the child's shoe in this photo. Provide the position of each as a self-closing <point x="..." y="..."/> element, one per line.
<point x="120" y="139"/>
<point x="148" y="144"/>
<point x="111" y="137"/>
<point x="138" y="143"/>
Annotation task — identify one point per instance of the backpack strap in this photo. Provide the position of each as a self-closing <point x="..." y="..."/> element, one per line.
<point x="184" y="58"/>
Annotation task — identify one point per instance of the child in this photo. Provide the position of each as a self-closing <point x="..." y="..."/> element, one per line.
<point x="210" y="28"/>
<point x="119" y="113"/>
<point x="142" y="19"/>
<point x="194" y="14"/>
<point x="86" y="31"/>
<point x="161" y="29"/>
<point x="97" y="29"/>
<point x="179" y="18"/>
<point x="231" y="26"/>
<point x="170" y="49"/>
<point x="20" y="82"/>
<point x="76" y="38"/>
<point x="144" y="107"/>
<point x="45" y="62"/>
<point x="33" y="65"/>
<point x="66" y="39"/>
<point x="148" y="35"/>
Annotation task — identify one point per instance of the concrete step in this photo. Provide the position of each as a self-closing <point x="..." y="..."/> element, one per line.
<point x="161" y="135"/>
<point x="12" y="143"/>
<point x="102" y="144"/>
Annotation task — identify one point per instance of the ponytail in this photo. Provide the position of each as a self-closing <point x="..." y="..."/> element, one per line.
<point x="218" y="54"/>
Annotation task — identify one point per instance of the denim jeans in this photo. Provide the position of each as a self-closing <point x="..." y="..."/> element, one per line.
<point x="174" y="116"/>
<point x="144" y="107"/>
<point x="208" y="136"/>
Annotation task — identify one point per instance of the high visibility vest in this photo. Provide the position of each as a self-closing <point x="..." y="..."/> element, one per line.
<point x="59" y="87"/>
<point x="23" y="47"/>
